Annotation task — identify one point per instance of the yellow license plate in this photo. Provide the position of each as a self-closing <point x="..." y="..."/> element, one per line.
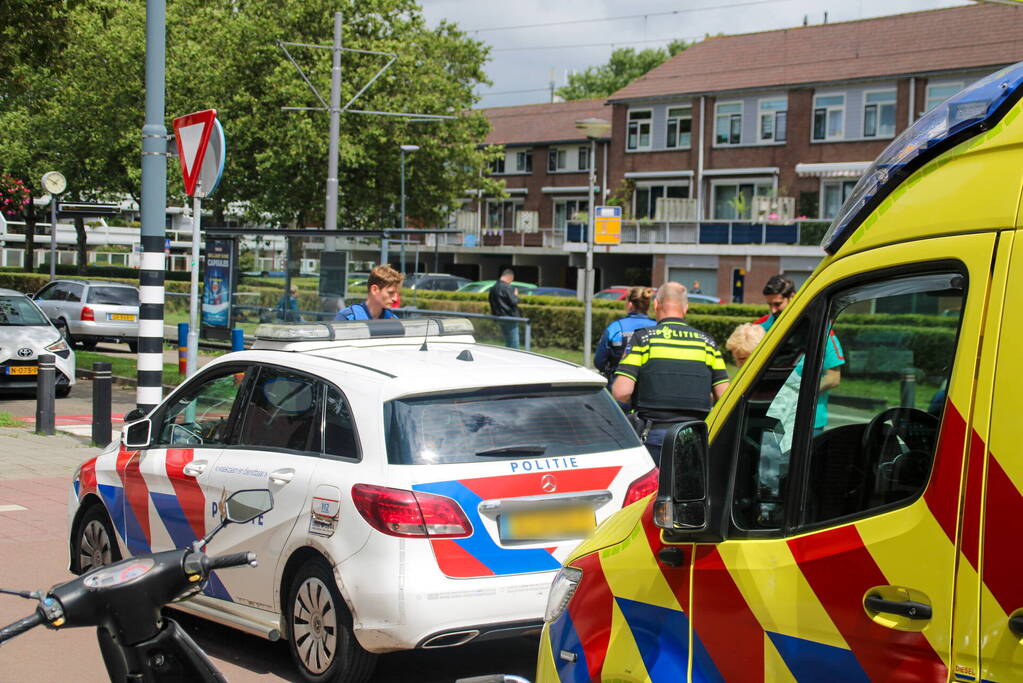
<point x="22" y="370"/>
<point x="122" y="316"/>
<point x="547" y="525"/>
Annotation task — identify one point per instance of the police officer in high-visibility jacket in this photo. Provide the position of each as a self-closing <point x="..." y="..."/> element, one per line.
<point x="671" y="372"/>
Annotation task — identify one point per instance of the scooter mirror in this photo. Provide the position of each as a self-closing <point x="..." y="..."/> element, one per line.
<point x="244" y="506"/>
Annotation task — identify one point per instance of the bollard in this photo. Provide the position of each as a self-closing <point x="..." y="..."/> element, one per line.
<point x="907" y="391"/>
<point x="182" y="348"/>
<point x="528" y="336"/>
<point x="237" y="339"/>
<point x="101" y="404"/>
<point x="45" y="387"/>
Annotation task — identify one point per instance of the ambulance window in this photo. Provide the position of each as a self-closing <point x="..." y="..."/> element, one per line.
<point x="887" y="355"/>
<point x="762" y="479"/>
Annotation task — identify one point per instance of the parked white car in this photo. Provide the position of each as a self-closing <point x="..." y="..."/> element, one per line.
<point x="426" y="488"/>
<point x="25" y="333"/>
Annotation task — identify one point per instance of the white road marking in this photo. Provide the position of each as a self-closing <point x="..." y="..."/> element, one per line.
<point x="11" y="508"/>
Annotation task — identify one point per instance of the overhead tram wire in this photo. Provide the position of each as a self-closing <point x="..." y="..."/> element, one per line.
<point x="745" y="3"/>
<point x="614" y="44"/>
<point x="513" y="92"/>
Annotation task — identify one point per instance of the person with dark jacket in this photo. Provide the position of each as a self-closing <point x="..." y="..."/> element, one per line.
<point x="670" y="372"/>
<point x="504" y="301"/>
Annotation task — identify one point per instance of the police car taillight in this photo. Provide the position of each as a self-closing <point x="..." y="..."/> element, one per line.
<point x="641" y="488"/>
<point x="410" y="514"/>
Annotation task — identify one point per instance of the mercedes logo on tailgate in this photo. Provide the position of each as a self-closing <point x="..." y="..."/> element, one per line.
<point x="25" y="352"/>
<point x="548" y="484"/>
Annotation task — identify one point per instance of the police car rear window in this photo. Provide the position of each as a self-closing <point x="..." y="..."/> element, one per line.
<point x="504" y="423"/>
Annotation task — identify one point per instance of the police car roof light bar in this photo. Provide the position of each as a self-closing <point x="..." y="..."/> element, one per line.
<point x="364" y="329"/>
<point x="977" y="108"/>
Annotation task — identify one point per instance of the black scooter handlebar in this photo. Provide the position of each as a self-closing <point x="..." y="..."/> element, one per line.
<point x="231" y="560"/>
<point x="20" y="626"/>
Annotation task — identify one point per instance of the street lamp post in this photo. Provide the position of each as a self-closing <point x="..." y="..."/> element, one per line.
<point x="404" y="148"/>
<point x="593" y="128"/>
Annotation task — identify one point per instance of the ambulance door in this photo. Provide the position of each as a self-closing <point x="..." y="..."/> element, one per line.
<point x="995" y="536"/>
<point x="847" y="440"/>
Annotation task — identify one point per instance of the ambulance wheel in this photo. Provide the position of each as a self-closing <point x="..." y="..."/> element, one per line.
<point x="322" y="643"/>
<point x="94" y="543"/>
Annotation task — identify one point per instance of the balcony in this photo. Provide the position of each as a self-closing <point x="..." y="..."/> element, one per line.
<point x="702" y="232"/>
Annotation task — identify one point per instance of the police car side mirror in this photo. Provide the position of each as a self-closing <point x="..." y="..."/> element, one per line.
<point x="682" y="498"/>
<point x="136" y="435"/>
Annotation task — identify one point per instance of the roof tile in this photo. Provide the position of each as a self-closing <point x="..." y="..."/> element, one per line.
<point x="916" y="42"/>
<point x="540" y="123"/>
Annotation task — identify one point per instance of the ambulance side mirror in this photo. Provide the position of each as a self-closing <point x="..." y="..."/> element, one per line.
<point x="682" y="498"/>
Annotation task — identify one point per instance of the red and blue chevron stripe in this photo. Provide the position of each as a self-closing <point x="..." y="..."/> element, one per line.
<point x="478" y="555"/>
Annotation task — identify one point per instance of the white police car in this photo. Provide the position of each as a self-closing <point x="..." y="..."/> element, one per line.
<point x="425" y="487"/>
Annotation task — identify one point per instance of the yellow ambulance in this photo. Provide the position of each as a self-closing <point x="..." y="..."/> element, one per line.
<point x="852" y="509"/>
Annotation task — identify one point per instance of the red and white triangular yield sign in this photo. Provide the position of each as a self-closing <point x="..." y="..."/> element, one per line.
<point x="192" y="134"/>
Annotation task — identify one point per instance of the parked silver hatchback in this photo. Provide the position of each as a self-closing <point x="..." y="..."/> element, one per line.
<point x="91" y="311"/>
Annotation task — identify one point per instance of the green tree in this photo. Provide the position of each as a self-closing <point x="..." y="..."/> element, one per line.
<point x="624" y="66"/>
<point x="87" y="111"/>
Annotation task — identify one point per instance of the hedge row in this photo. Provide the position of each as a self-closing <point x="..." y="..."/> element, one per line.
<point x="886" y="349"/>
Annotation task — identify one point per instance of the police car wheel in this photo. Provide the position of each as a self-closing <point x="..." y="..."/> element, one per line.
<point x="322" y="643"/>
<point x="94" y="542"/>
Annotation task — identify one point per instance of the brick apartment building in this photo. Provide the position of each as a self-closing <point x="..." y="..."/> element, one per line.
<point x="793" y="115"/>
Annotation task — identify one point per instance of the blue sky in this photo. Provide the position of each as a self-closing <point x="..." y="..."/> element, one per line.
<point x="525" y="59"/>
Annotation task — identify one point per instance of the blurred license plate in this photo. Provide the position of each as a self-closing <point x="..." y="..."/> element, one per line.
<point x="546" y="525"/>
<point x="22" y="370"/>
<point x="122" y="316"/>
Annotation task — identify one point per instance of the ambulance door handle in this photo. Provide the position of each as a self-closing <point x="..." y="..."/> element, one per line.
<point x="194" y="468"/>
<point x="282" y="476"/>
<point x="904" y="608"/>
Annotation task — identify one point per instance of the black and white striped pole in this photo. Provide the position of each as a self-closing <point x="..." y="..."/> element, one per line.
<point x="151" y="298"/>
<point x="154" y="213"/>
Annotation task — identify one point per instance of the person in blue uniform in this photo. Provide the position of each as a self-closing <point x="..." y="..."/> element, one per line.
<point x="384" y="286"/>
<point x="616" y="336"/>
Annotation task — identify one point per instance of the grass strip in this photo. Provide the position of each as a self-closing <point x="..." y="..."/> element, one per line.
<point x="124" y="365"/>
<point x="8" y="420"/>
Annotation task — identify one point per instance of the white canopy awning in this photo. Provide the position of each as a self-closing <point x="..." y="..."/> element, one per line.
<point x="835" y="169"/>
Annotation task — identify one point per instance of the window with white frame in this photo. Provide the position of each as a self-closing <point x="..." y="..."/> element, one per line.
<point x="680" y="128"/>
<point x="584" y="158"/>
<point x="644" y="201"/>
<point x="833" y="196"/>
<point x="556" y="160"/>
<point x="939" y="92"/>
<point x="524" y="161"/>
<point x="879" y="114"/>
<point x="828" y="117"/>
<point x="733" y="200"/>
<point x="501" y="214"/>
<point x="497" y="165"/>
<point x="727" y="123"/>
<point x="773" y="115"/>
<point x="639" y="129"/>
<point x="568" y="210"/>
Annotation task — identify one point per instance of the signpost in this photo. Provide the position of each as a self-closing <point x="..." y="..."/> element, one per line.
<point x="607" y="225"/>
<point x="201" y="150"/>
